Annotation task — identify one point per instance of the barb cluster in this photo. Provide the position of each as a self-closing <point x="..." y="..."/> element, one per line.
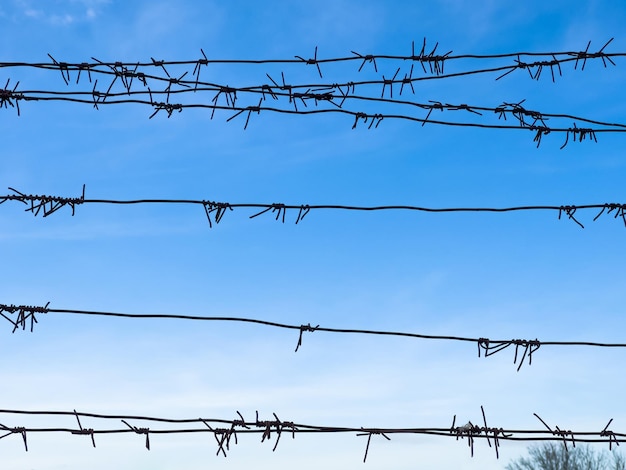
<point x="24" y="313"/>
<point x="9" y="97"/>
<point x="471" y="431"/>
<point x="492" y="347"/>
<point x="47" y="205"/>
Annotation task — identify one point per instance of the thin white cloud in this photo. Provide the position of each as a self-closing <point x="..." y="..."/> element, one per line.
<point x="62" y="20"/>
<point x="91" y="8"/>
<point x="32" y="13"/>
<point x="63" y="14"/>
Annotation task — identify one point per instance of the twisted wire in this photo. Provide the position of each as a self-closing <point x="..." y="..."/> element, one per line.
<point x="225" y="429"/>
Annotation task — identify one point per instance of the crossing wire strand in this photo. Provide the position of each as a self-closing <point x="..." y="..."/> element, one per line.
<point x="225" y="429"/>
<point x="332" y="94"/>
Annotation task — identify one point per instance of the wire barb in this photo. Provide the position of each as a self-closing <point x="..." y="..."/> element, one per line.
<point x="620" y="211"/>
<point x="218" y="207"/>
<point x="83" y="431"/>
<point x="584" y="55"/>
<point x="569" y="211"/>
<point x="366" y="58"/>
<point x="560" y="433"/>
<point x="492" y="347"/>
<point x="304" y="328"/>
<point x="280" y="209"/>
<point x="10" y="97"/>
<point x="278" y="425"/>
<point x="304" y="210"/>
<point x="15" y="430"/>
<point x="471" y="431"/>
<point x="369" y="433"/>
<point x="610" y="434"/>
<point x="137" y="430"/>
<point x="312" y="61"/>
<point x="45" y="204"/>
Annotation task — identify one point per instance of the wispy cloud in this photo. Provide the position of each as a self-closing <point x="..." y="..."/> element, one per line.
<point x="33" y="13"/>
<point x="60" y="13"/>
<point x="62" y="20"/>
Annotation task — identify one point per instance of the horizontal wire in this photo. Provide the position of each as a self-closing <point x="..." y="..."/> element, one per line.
<point x="424" y="57"/>
<point x="125" y="74"/>
<point x="512" y="109"/>
<point x="538" y="126"/>
<point x="10" y="97"/>
<point x="47" y="205"/>
<point x="277" y="427"/>
<point x="83" y="66"/>
<point x="505" y="108"/>
<point x="524" y="348"/>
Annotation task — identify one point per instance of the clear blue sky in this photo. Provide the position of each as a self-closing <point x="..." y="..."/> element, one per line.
<point x="518" y="275"/>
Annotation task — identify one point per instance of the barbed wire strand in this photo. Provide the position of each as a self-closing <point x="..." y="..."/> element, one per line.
<point x="47" y="205"/>
<point x="430" y="61"/>
<point x="524" y="348"/>
<point x="276" y="426"/>
<point x="527" y="119"/>
<point x="538" y="125"/>
<point x="127" y="73"/>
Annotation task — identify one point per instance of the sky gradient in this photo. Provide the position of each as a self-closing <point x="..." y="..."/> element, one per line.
<point x="512" y="275"/>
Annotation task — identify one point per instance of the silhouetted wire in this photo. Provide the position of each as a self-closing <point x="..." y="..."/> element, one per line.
<point x="330" y="93"/>
<point x="323" y="93"/>
<point x="527" y="119"/>
<point x="277" y="427"/>
<point x="429" y="61"/>
<point x="47" y="205"/>
<point x="524" y="348"/>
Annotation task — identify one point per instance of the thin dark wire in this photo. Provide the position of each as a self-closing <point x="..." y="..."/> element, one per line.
<point x="527" y="119"/>
<point x="330" y="93"/>
<point x="433" y="61"/>
<point x="524" y="348"/>
<point x="277" y="426"/>
<point x="46" y="205"/>
<point x="536" y="123"/>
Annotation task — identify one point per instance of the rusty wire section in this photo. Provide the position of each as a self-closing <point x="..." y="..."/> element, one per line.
<point x="214" y="211"/>
<point x="226" y="431"/>
<point x="523" y="348"/>
<point x="155" y="84"/>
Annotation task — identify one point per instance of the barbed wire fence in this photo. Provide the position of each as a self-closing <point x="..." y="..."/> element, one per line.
<point x="169" y="87"/>
<point x="150" y="84"/>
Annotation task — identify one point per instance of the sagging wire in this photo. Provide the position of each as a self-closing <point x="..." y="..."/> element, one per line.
<point x="524" y="348"/>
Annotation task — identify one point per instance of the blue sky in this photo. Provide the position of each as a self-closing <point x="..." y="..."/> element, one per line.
<point x="516" y="275"/>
